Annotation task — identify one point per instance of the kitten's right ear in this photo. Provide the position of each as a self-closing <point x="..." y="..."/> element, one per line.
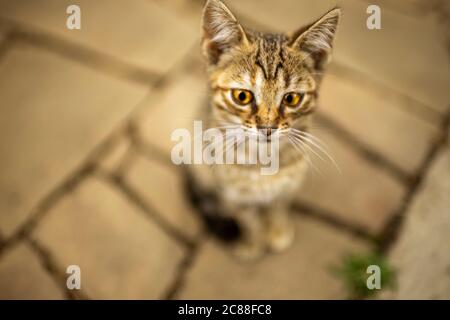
<point x="317" y="38"/>
<point x="221" y="30"/>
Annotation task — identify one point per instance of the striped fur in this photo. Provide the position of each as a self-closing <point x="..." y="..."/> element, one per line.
<point x="269" y="65"/>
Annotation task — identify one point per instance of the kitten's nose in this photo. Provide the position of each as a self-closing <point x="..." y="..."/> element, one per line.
<point x="268" y="130"/>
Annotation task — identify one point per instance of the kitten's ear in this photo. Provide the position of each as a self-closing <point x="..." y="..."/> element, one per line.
<point x="221" y="30"/>
<point x="317" y="38"/>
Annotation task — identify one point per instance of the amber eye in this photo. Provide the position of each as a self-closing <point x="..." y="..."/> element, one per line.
<point x="292" y="99"/>
<point x="242" y="97"/>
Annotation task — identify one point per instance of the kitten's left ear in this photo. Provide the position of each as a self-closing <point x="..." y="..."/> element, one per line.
<point x="317" y="38"/>
<point x="221" y="30"/>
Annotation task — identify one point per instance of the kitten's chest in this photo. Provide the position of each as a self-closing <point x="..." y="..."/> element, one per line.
<point x="241" y="184"/>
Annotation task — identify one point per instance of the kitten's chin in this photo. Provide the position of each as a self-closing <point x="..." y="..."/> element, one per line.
<point x="278" y="141"/>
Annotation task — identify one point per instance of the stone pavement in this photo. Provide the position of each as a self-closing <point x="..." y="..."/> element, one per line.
<point x="86" y="177"/>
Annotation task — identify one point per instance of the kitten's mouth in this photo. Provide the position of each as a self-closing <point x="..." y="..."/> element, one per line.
<point x="266" y="135"/>
<point x="265" y="138"/>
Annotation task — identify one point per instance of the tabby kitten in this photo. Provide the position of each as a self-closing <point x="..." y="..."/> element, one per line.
<point x="264" y="83"/>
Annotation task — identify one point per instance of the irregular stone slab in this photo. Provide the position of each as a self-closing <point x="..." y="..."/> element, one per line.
<point x="360" y="193"/>
<point x="421" y="254"/>
<point x="163" y="188"/>
<point x="22" y="276"/>
<point x="176" y="106"/>
<point x="52" y="115"/>
<point x="380" y="121"/>
<point x="302" y="272"/>
<point x="121" y="253"/>
<point x="139" y="32"/>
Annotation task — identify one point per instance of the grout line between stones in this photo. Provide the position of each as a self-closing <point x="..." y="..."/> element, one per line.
<point x="411" y="105"/>
<point x="86" y="167"/>
<point x="49" y="263"/>
<point x="329" y="218"/>
<point x="5" y="45"/>
<point x="183" y="268"/>
<point x="88" y="56"/>
<point x="136" y="199"/>
<point x="43" y="206"/>
<point x="390" y="232"/>
<point x="66" y="185"/>
<point x="365" y="151"/>
<point x="125" y="161"/>
<point x="148" y="150"/>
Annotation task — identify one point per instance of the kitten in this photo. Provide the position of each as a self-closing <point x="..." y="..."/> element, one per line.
<point x="266" y="84"/>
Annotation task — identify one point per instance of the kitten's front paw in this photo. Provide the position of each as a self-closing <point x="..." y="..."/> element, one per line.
<point x="247" y="250"/>
<point x="280" y="238"/>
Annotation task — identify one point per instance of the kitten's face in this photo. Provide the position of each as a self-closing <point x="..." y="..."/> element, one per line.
<point x="264" y="86"/>
<point x="264" y="81"/>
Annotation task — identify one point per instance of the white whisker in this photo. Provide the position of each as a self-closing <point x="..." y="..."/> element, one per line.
<point x="309" y="147"/>
<point x="314" y="141"/>
<point x="297" y="145"/>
